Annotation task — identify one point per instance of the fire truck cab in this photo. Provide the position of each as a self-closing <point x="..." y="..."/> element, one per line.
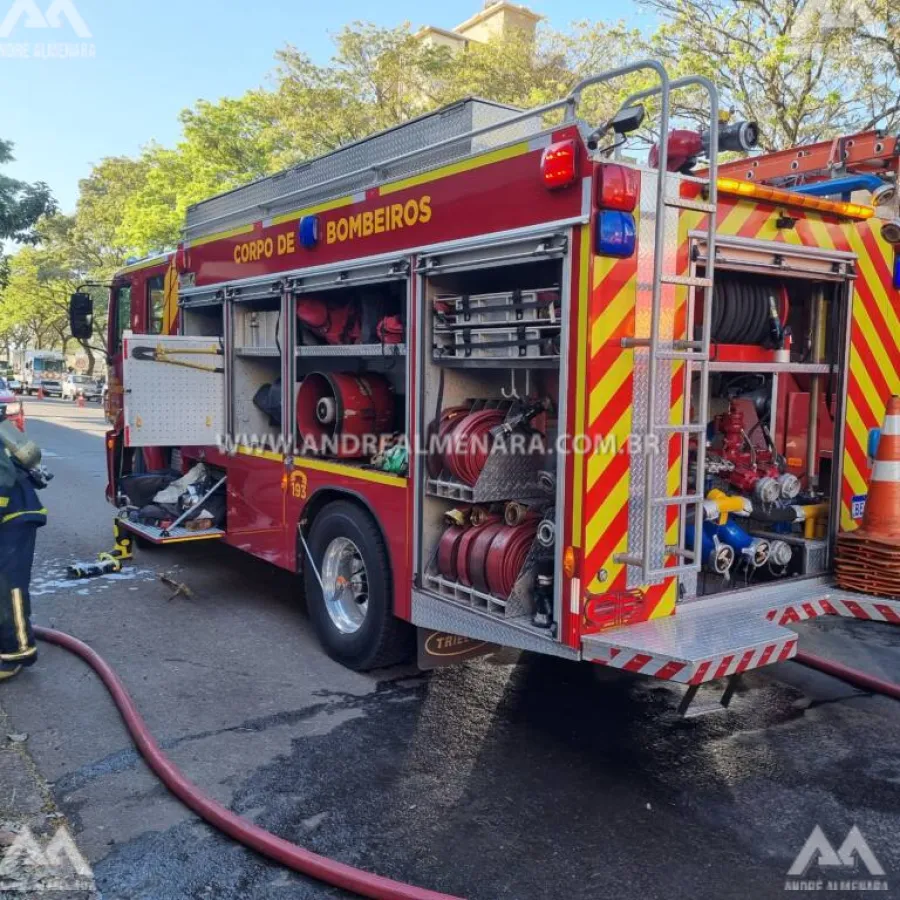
<point x="481" y="375"/>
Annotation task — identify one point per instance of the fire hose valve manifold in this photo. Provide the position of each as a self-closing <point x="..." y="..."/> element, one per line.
<point x="751" y="470"/>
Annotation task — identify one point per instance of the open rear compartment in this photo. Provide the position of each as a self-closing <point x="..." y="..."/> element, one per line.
<point x="494" y="330"/>
<point x="777" y="387"/>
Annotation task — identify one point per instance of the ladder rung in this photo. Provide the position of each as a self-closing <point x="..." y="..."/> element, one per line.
<point x="683" y="552"/>
<point x="690" y="428"/>
<point x="653" y="574"/>
<point x="677" y="500"/>
<point x="687" y="280"/>
<point x="676" y="345"/>
<point x="687" y="203"/>
<point x="682" y="354"/>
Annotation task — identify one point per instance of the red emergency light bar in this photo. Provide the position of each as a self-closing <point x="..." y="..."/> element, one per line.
<point x="559" y="164"/>
<point x="617" y="188"/>
<point x="790" y="198"/>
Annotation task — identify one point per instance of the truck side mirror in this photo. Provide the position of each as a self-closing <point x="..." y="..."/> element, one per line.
<point x="81" y="316"/>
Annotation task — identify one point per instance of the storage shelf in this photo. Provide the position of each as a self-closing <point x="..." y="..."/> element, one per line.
<point x="770" y="367"/>
<point x="537" y="362"/>
<point x="343" y="350"/>
<point x="257" y="351"/>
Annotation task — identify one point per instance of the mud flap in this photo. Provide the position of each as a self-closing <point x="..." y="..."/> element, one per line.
<point x="437" y="649"/>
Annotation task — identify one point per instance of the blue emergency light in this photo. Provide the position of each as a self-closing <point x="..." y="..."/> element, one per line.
<point x="308" y="231"/>
<point x="897" y="269"/>
<point x="615" y="233"/>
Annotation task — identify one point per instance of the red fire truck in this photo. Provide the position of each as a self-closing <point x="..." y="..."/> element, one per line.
<point x="482" y="375"/>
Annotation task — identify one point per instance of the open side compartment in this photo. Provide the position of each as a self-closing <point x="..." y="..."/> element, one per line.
<point x="492" y="329"/>
<point x="777" y="386"/>
<point x="350" y="375"/>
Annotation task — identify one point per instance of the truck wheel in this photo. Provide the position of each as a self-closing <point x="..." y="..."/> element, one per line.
<point x="353" y="617"/>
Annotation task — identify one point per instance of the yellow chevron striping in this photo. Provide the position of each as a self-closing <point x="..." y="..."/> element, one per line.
<point x="869" y="272"/>
<point x="736" y="218"/>
<point x="606" y="512"/>
<point x="666" y="605"/>
<point x="864" y="379"/>
<point x="613" y="568"/>
<point x="577" y="461"/>
<point x="876" y="347"/>
<point x="606" y="387"/>
<point x="610" y="319"/>
<point x="598" y="462"/>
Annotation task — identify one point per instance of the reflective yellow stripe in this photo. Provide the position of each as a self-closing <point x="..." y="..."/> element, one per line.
<point x="25" y="512"/>
<point x="18" y="610"/>
<point x="16" y="657"/>
<point x="4" y="502"/>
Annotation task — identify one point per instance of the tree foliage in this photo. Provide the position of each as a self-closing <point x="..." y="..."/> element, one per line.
<point x="794" y="66"/>
<point x="804" y="69"/>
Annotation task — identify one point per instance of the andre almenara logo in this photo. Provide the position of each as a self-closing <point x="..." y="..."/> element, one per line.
<point x="37" y="29"/>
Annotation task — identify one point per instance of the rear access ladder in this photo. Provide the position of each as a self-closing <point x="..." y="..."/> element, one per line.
<point x="648" y="551"/>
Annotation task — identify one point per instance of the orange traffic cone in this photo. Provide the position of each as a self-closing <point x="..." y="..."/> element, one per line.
<point x="40" y="393"/>
<point x="868" y="559"/>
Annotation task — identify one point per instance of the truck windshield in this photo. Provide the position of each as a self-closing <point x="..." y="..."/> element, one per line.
<point x="47" y="365"/>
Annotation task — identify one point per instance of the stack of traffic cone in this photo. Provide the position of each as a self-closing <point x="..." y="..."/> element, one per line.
<point x="868" y="559"/>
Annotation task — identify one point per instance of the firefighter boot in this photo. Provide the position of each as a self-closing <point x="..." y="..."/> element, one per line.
<point x="17" y="647"/>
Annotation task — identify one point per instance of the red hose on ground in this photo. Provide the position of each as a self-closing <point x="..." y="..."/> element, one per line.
<point x="851" y="676"/>
<point x="294" y="857"/>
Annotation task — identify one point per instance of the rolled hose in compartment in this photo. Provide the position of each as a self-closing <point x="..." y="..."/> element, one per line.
<point x="741" y="312"/>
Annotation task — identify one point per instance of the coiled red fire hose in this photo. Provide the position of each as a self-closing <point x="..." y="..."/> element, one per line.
<point x="468" y="444"/>
<point x="284" y="852"/>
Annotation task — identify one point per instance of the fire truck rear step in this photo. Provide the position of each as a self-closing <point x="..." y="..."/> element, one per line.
<point x="171" y="535"/>
<point x="718" y="637"/>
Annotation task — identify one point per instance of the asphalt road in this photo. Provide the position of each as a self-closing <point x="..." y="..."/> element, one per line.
<point x="515" y="776"/>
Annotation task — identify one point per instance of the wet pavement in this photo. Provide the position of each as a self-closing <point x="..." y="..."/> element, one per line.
<point x="514" y="776"/>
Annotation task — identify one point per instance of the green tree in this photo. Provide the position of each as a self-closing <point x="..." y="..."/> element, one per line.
<point x="21" y="206"/>
<point x="787" y="64"/>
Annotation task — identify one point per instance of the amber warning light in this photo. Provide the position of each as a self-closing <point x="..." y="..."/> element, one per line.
<point x="790" y="198"/>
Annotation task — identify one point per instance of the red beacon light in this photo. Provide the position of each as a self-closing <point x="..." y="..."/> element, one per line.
<point x="559" y="164"/>
<point x="617" y="188"/>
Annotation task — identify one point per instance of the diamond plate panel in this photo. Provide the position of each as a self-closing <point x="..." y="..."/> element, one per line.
<point x="429" y="611"/>
<point x="663" y="369"/>
<point x="357" y="164"/>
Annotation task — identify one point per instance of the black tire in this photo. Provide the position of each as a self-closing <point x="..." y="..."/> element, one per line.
<point x="382" y="639"/>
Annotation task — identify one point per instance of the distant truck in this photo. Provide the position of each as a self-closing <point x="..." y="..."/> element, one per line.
<point x="42" y="370"/>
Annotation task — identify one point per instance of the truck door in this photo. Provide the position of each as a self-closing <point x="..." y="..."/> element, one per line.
<point x="174" y="390"/>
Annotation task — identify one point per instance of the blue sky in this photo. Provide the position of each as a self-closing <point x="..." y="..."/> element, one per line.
<point x="152" y="59"/>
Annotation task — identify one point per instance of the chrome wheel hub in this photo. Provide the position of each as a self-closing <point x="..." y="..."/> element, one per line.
<point x="346" y="585"/>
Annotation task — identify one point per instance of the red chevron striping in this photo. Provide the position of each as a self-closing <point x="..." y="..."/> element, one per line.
<point x="786" y="651"/>
<point x="606" y="544"/>
<point x="755" y="223"/>
<point x="723" y="666"/>
<point x="872" y="367"/>
<point x="637" y="662"/>
<point x="670" y="669"/>
<point x="810" y="610"/>
<point x="767" y="654"/>
<point x="615" y="406"/>
<point x="828" y="608"/>
<point x="856" y="609"/>
<point x="744" y="661"/>
<point x="889" y="614"/>
<point x="700" y="674"/>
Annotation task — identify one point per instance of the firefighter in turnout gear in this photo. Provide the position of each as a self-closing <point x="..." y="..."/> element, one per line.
<point x="21" y="514"/>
